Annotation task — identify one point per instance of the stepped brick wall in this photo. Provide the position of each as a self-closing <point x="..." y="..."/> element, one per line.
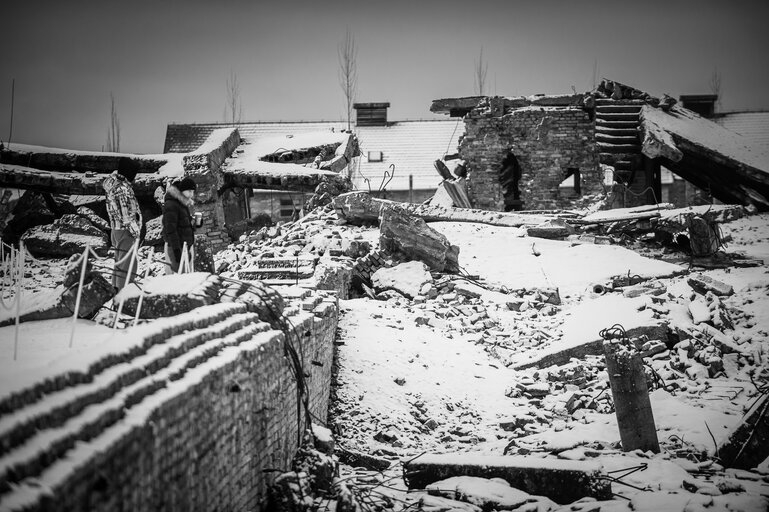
<point x="546" y="141"/>
<point x="198" y="416"/>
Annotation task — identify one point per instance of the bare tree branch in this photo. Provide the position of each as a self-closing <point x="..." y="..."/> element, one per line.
<point x="481" y="68"/>
<point x="233" y="108"/>
<point x="113" y="131"/>
<point x="348" y="72"/>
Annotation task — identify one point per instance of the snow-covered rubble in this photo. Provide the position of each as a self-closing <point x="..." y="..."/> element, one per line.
<point x="436" y="372"/>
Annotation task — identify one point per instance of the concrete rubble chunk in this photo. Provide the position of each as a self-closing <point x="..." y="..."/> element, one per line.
<point x="406" y="278"/>
<point x="560" y="480"/>
<point x="60" y="302"/>
<point x="356" y="459"/>
<point x="171" y="295"/>
<point x="703" y="284"/>
<point x="65" y="236"/>
<point x="429" y="503"/>
<point x="556" y="229"/>
<point x="488" y="494"/>
<point x="411" y="236"/>
<point x="747" y="445"/>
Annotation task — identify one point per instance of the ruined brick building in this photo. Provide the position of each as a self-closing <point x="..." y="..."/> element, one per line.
<point x="548" y="152"/>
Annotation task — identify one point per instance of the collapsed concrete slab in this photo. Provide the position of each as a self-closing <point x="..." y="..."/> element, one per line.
<point x="747" y="445"/>
<point x="361" y="208"/>
<point x="411" y="236"/>
<point x="560" y="480"/>
<point x="587" y="348"/>
<point x="706" y="154"/>
<point x="277" y="176"/>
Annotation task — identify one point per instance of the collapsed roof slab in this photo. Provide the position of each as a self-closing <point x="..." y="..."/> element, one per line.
<point x="278" y="176"/>
<point x="707" y="155"/>
<point x="459" y="107"/>
<point x="17" y="176"/>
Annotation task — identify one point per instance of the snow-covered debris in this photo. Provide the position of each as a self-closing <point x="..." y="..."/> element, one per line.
<point x="406" y="278"/>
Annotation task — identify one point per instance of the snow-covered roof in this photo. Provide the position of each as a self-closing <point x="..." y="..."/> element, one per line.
<point x="754" y="126"/>
<point x="412" y="146"/>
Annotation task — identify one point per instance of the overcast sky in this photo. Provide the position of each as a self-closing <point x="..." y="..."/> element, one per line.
<point x="168" y="61"/>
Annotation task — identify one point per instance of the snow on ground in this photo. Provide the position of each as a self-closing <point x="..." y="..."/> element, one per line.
<point x="506" y="257"/>
<point x="411" y="380"/>
<point x="395" y="372"/>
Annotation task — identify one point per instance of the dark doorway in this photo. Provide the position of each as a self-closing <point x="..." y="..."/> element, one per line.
<point x="509" y="176"/>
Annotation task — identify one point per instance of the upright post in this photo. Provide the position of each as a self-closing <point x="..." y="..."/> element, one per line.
<point x="631" y="397"/>
<point x="19" y="288"/>
<point x="79" y="294"/>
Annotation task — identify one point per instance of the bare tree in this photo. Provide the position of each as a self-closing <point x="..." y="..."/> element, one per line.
<point x="715" y="86"/>
<point x="595" y="74"/>
<point x="233" y="108"/>
<point x="113" y="131"/>
<point x="481" y="68"/>
<point x="348" y="72"/>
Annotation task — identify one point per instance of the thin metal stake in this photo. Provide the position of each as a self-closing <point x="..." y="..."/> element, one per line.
<point x="79" y="294"/>
<point x="20" y="263"/>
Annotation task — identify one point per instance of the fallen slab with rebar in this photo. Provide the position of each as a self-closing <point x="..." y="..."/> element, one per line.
<point x="562" y="481"/>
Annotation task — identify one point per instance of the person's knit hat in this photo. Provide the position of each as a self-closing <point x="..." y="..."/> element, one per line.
<point x="186" y="184"/>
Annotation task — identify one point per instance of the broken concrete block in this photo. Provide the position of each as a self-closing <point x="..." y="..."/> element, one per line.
<point x="654" y="288"/>
<point x="469" y="290"/>
<point x="171" y="295"/>
<point x="548" y="232"/>
<point x="66" y="236"/>
<point x="488" y="494"/>
<point x="356" y="459"/>
<point x="748" y="444"/>
<point x="560" y="480"/>
<point x="407" y="278"/>
<point x="699" y="311"/>
<point x="549" y="296"/>
<point x="412" y="237"/>
<point x="703" y="284"/>
<point x="430" y="503"/>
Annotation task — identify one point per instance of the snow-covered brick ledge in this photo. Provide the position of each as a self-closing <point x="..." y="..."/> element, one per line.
<point x="214" y="151"/>
<point x="194" y="422"/>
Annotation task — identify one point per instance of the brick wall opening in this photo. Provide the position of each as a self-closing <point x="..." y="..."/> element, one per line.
<point x="509" y="177"/>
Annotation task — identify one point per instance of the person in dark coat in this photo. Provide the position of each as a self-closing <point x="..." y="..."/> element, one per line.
<point x="177" y="222"/>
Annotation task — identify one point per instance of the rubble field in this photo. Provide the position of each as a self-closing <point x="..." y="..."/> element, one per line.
<point x="486" y="387"/>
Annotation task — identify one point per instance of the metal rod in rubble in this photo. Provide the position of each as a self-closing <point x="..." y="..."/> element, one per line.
<point x="141" y="292"/>
<point x="134" y="253"/>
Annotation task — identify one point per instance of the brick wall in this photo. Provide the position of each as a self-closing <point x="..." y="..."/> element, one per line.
<point x="204" y="168"/>
<point x="208" y="441"/>
<point x="546" y="142"/>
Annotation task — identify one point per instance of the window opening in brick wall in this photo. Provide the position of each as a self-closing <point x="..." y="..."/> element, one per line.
<point x="375" y="156"/>
<point x="509" y="176"/>
<point x="571" y="181"/>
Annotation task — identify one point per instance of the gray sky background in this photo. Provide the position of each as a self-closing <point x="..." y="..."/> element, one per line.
<point x="168" y="61"/>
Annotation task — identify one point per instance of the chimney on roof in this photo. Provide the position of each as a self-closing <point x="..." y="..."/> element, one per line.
<point x="371" y="114"/>
<point x="702" y="104"/>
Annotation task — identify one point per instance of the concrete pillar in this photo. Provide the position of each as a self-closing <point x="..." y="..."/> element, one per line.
<point x="631" y="397"/>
